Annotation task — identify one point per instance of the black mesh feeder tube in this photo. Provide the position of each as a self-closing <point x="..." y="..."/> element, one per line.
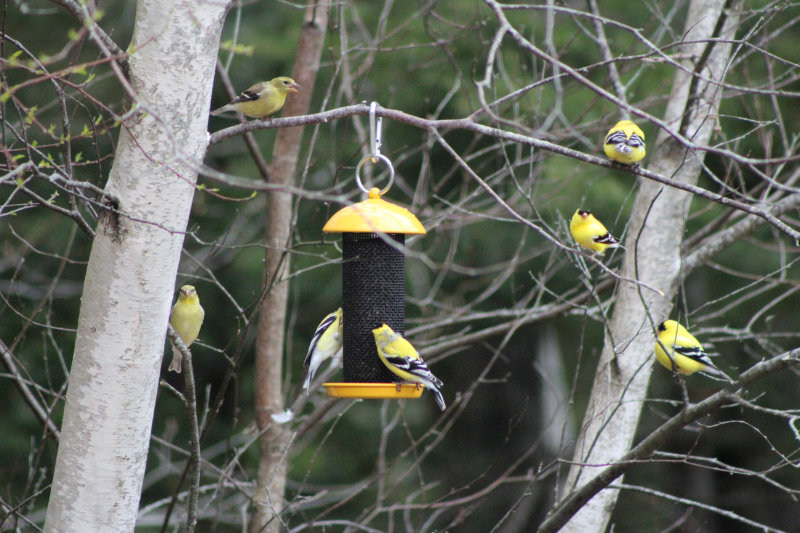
<point x="373" y="292"/>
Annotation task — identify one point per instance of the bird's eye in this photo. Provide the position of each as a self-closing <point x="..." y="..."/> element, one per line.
<point x="285" y="82"/>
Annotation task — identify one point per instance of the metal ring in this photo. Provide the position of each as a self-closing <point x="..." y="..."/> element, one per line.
<point x="372" y="158"/>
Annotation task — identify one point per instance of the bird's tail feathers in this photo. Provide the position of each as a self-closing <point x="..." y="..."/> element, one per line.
<point x="608" y="239"/>
<point x="433" y="384"/>
<point x="221" y="110"/>
<point x="421" y="370"/>
<point x="336" y="360"/>
<point x="437" y="395"/>
<point x="177" y="358"/>
<point x="712" y="371"/>
<point x="623" y="148"/>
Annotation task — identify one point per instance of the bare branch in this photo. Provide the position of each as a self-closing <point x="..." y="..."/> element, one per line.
<point x="572" y="503"/>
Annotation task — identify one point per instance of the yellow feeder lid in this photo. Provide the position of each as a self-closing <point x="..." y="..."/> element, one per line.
<point x="374" y="390"/>
<point x="374" y="215"/>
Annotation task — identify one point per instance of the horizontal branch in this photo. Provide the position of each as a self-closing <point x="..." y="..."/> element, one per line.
<point x="468" y="124"/>
<point x="731" y="234"/>
<point x="538" y="314"/>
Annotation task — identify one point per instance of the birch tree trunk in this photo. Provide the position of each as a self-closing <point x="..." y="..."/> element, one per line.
<point x="653" y="256"/>
<point x="132" y="266"/>
<point x="271" y="480"/>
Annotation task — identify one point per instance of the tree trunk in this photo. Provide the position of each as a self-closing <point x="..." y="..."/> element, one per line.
<point x="268" y="498"/>
<point x="130" y="276"/>
<point x="652" y="256"/>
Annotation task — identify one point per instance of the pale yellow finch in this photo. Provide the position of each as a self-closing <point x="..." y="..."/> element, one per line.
<point x="262" y="99"/>
<point x="186" y="318"/>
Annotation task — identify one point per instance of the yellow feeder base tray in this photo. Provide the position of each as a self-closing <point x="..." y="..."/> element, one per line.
<point x="374" y="390"/>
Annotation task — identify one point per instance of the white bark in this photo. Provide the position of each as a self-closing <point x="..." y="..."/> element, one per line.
<point x="131" y="272"/>
<point x="623" y="372"/>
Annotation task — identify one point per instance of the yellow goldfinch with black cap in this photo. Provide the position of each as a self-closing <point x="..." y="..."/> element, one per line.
<point x="186" y="319"/>
<point x="625" y="143"/>
<point x="262" y="99"/>
<point x="402" y="359"/>
<point x="590" y="232"/>
<point x="326" y="343"/>
<point x="677" y="349"/>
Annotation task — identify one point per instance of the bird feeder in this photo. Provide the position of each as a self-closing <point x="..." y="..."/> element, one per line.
<point x="373" y="282"/>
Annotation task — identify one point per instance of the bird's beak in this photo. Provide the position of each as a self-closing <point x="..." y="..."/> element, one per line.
<point x="293" y="88"/>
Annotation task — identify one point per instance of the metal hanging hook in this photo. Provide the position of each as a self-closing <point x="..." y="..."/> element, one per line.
<point x="375" y="140"/>
<point x="375" y="131"/>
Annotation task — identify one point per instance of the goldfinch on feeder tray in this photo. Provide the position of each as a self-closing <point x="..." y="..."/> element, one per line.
<point x="262" y="99"/>
<point x="590" y="232"/>
<point x="186" y="318"/>
<point x="402" y="359"/>
<point x="683" y="352"/>
<point x="625" y="143"/>
<point x="326" y="343"/>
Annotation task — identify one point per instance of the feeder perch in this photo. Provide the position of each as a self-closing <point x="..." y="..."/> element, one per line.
<point x="373" y="288"/>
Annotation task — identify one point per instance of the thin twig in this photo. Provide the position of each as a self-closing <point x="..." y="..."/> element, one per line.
<point x="190" y="396"/>
<point x="30" y="398"/>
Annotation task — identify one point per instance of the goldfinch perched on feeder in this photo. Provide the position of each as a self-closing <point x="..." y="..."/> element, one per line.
<point x="185" y="318"/>
<point x="685" y="354"/>
<point x="326" y="343"/>
<point x="625" y="143"/>
<point x="590" y="232"/>
<point x="262" y="99"/>
<point x="403" y="360"/>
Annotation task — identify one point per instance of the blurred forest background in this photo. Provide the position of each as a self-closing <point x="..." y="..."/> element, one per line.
<point x="511" y="322"/>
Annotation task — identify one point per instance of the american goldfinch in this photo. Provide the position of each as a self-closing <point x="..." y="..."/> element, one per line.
<point x="590" y="232"/>
<point x="326" y="343"/>
<point x="262" y="99"/>
<point x="186" y="318"/>
<point x="625" y="143"/>
<point x="402" y="359"/>
<point x="685" y="352"/>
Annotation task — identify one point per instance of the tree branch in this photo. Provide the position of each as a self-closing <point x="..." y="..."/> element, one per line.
<point x="571" y="504"/>
<point x="190" y="401"/>
<point x="467" y="124"/>
<point x="30" y="398"/>
<point x="275" y="439"/>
